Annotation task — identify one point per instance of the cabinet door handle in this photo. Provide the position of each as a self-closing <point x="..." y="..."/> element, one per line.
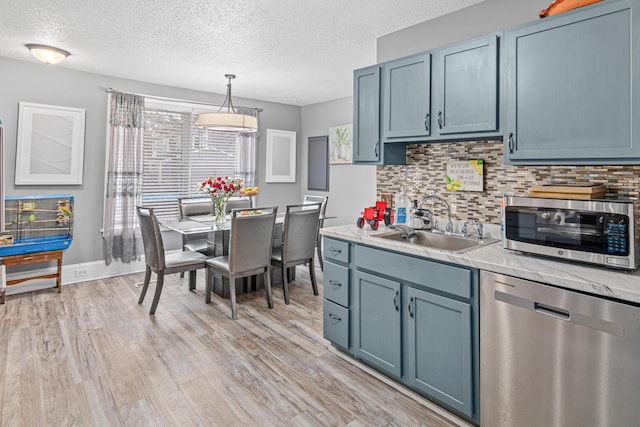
<point x="440" y="121"/>
<point x="335" y="284"/>
<point x="376" y="149"/>
<point x="511" y="143"/>
<point x="426" y="121"/>
<point x="395" y="300"/>
<point x="334" y="317"/>
<point x="335" y="250"/>
<point x="410" y="310"/>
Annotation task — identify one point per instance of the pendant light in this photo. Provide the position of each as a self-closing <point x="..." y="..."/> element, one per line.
<point x="228" y="121"/>
<point x="47" y="54"/>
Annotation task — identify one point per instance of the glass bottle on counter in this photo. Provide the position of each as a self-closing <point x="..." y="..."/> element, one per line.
<point x="403" y="206"/>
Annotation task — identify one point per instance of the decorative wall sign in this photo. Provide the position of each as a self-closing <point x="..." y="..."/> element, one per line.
<point x="341" y="144"/>
<point x="50" y="148"/>
<point x="465" y="175"/>
<point x="281" y="156"/>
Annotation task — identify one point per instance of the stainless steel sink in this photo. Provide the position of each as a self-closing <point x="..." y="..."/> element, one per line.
<point x="442" y="242"/>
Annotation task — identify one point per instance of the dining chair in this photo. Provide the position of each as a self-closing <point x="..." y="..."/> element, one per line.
<point x="298" y="240"/>
<point x="250" y="241"/>
<point x="237" y="203"/>
<point x="307" y="199"/>
<point x="191" y="207"/>
<point x="160" y="263"/>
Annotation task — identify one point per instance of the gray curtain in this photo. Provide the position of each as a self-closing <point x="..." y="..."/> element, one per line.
<point x="122" y="238"/>
<point x="246" y="152"/>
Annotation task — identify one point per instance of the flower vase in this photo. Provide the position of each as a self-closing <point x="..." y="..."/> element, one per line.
<point x="219" y="205"/>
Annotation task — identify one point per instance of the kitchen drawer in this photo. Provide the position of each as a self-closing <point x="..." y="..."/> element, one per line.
<point x="336" y="250"/>
<point x="335" y="323"/>
<point x="336" y="283"/>
<point x="431" y="274"/>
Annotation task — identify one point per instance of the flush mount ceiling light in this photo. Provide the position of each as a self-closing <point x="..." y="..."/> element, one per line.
<point x="228" y="121"/>
<point x="47" y="54"/>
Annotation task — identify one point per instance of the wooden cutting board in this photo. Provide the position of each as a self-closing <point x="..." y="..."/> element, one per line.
<point x="578" y="196"/>
<point x="569" y="191"/>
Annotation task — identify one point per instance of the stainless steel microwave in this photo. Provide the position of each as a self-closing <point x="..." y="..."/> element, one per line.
<point x="602" y="232"/>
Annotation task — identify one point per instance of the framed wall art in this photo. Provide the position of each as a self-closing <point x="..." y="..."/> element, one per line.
<point x="281" y="156"/>
<point x="341" y="144"/>
<point x="50" y="148"/>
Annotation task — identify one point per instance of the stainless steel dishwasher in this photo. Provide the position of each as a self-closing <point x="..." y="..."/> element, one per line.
<point x="554" y="357"/>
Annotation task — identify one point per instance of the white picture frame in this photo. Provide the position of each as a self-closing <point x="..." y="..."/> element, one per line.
<point x="50" y="149"/>
<point x="281" y="156"/>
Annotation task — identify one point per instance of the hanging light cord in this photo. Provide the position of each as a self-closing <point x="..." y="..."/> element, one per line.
<point x="230" y="108"/>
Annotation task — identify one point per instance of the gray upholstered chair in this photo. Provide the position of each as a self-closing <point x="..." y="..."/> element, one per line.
<point x="237" y="203"/>
<point x="250" y="243"/>
<point x="298" y="241"/>
<point x="160" y="263"/>
<point x="323" y="209"/>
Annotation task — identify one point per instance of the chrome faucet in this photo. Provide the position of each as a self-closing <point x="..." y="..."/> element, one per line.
<point x="449" y="226"/>
<point x="406" y="231"/>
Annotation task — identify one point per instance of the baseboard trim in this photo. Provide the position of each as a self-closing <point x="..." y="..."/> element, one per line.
<point x="407" y="392"/>
<point x="74" y="273"/>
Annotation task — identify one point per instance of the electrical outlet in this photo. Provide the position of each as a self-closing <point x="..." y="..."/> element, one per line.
<point x="82" y="272"/>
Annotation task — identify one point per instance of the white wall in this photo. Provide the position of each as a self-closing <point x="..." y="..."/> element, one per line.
<point x="351" y="188"/>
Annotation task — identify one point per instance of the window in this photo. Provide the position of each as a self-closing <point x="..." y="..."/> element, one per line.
<point x="177" y="154"/>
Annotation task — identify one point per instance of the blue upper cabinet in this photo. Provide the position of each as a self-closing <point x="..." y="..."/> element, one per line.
<point x="465" y="86"/>
<point x="366" y="115"/>
<point x="570" y="90"/>
<point x="407" y="98"/>
<point x="367" y="145"/>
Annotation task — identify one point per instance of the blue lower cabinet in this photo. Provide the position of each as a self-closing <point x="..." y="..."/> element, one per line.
<point x="417" y="320"/>
<point x="378" y="340"/>
<point x="439" y="359"/>
<point x="335" y="323"/>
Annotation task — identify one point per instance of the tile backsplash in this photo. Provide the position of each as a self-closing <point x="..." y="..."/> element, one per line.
<point x="426" y="174"/>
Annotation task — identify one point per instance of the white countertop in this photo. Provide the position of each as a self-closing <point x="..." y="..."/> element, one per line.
<point x="493" y="257"/>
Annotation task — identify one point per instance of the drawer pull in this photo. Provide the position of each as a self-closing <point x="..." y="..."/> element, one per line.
<point x="410" y="310"/>
<point x="395" y="300"/>
<point x="27" y="258"/>
<point x="334" y="317"/>
<point x="335" y="284"/>
<point x="335" y="250"/>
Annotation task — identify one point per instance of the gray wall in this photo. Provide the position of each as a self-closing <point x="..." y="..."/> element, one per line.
<point x="35" y="82"/>
<point x="473" y="21"/>
<point x="351" y="188"/>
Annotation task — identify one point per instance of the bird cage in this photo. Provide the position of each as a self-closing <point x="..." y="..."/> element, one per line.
<point x="36" y="224"/>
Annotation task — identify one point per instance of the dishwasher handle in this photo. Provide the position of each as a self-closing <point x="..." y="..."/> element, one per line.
<point x="552" y="311"/>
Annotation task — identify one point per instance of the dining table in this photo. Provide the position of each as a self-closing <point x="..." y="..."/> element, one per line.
<point x="218" y="245"/>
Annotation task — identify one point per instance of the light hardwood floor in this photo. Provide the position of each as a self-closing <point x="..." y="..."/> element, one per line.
<point x="92" y="356"/>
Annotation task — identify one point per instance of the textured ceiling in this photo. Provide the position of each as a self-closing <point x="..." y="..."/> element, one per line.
<point x="290" y="51"/>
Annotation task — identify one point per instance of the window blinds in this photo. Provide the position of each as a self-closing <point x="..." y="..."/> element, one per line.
<point x="178" y="155"/>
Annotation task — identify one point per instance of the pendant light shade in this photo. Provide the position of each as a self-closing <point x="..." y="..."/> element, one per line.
<point x="229" y="120"/>
<point x="47" y="54"/>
